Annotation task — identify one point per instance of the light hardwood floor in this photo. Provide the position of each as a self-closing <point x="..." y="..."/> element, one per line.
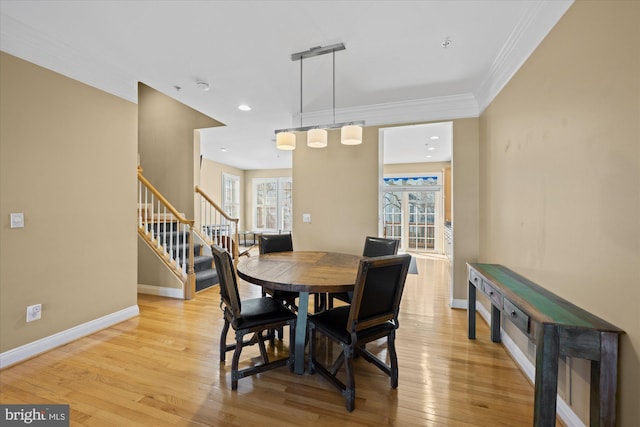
<point x="162" y="369"/>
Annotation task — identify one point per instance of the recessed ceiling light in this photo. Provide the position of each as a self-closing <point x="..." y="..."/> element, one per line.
<point x="244" y="107"/>
<point x="434" y="137"/>
<point x="224" y="150"/>
<point x="203" y="86"/>
<point x="431" y="148"/>
<point x="428" y="157"/>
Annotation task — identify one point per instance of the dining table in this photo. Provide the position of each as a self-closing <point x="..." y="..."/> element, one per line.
<point x="305" y="272"/>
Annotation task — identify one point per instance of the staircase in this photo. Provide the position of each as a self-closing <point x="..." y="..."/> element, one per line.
<point x="205" y="273"/>
<point x="180" y="243"/>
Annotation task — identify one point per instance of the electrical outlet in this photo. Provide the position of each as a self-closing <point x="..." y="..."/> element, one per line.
<point x="34" y="312"/>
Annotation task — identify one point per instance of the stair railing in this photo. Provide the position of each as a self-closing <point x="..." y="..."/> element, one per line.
<point x="216" y="226"/>
<point x="164" y="229"/>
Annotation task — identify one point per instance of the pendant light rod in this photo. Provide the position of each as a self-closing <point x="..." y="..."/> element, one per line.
<point x="334" y="85"/>
<point x="317" y="51"/>
<point x="300" y="92"/>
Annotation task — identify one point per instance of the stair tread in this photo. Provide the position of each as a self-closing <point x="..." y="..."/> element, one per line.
<point x="204" y="274"/>
<point x="206" y="279"/>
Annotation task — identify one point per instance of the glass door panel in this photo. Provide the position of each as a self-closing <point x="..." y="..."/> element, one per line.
<point x="393" y="214"/>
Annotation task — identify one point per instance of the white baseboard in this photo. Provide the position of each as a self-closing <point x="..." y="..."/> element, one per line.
<point x="161" y="291"/>
<point x="563" y="410"/>
<point x="459" y="303"/>
<point x="34" y="348"/>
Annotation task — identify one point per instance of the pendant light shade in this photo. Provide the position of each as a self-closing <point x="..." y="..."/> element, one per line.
<point x="351" y="135"/>
<point x="317" y="138"/>
<point x="286" y="141"/>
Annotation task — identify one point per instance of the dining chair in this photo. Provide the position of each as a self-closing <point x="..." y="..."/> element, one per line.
<point x="373" y="314"/>
<point x="251" y="316"/>
<point x="373" y="246"/>
<point x="270" y="243"/>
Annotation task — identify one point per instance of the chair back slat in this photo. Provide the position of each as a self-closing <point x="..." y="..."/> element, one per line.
<point x="269" y="243"/>
<point x="228" y="282"/>
<point x="378" y="291"/>
<point x="378" y="246"/>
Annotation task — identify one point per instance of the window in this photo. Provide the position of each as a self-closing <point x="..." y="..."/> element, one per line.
<point x="231" y="195"/>
<point x="272" y="204"/>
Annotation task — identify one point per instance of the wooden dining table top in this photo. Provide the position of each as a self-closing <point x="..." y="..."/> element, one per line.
<point x="301" y="271"/>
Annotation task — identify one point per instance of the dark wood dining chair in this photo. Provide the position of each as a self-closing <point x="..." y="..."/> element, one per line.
<point x="373" y="246"/>
<point x="251" y="316"/>
<point x="373" y="314"/>
<point x="270" y="243"/>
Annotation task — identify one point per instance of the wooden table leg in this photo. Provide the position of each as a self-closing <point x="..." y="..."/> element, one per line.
<point x="495" y="324"/>
<point x="547" y="352"/>
<point x="471" y="312"/>
<point x="301" y="333"/>
<point x="604" y="374"/>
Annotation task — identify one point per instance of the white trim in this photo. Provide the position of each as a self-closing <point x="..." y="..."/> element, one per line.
<point x="536" y="23"/>
<point x="459" y="303"/>
<point x="161" y="291"/>
<point x="417" y="110"/>
<point x="34" y="348"/>
<point x="563" y="410"/>
<point x="34" y="46"/>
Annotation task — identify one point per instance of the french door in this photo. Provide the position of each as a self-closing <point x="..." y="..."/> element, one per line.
<point x="413" y="216"/>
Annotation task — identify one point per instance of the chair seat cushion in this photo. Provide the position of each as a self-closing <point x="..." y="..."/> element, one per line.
<point x="256" y="312"/>
<point x="334" y="324"/>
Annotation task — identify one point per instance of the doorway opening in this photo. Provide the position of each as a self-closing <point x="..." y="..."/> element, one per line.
<point x="415" y="199"/>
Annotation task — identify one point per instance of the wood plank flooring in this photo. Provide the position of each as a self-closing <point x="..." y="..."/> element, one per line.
<point x="162" y="369"/>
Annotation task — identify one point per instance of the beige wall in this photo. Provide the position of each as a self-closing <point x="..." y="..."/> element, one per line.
<point x="68" y="161"/>
<point x="338" y="186"/>
<point x="465" y="205"/>
<point x="560" y="176"/>
<point x="167" y="144"/>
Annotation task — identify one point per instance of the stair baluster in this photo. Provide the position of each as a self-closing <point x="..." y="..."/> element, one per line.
<point x="216" y="226"/>
<point x="158" y="226"/>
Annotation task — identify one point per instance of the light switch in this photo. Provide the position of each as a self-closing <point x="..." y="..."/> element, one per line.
<point x="306" y="217"/>
<point x="17" y="220"/>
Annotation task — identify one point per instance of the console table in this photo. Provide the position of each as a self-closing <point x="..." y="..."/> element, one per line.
<point x="558" y="328"/>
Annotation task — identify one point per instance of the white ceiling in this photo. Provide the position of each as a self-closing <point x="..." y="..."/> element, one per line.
<point x="394" y="69"/>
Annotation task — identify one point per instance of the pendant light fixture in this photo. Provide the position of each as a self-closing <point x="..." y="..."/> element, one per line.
<point x="317" y="136"/>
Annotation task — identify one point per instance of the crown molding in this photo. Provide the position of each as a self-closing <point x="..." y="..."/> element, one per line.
<point x="536" y="23"/>
<point x="419" y="110"/>
<point x="33" y="46"/>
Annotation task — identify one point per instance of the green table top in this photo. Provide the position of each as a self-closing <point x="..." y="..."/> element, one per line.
<point x="553" y="308"/>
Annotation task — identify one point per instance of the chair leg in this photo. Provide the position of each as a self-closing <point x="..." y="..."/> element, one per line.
<point x="292" y="338"/>
<point x="263" y="350"/>
<point x="350" y="390"/>
<point x="223" y="341"/>
<point x="236" y="359"/>
<point x="319" y="302"/>
<point x="393" y="358"/>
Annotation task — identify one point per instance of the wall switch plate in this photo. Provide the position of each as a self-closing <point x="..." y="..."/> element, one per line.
<point x="34" y="312"/>
<point x="17" y="220"/>
<point x="306" y="217"/>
